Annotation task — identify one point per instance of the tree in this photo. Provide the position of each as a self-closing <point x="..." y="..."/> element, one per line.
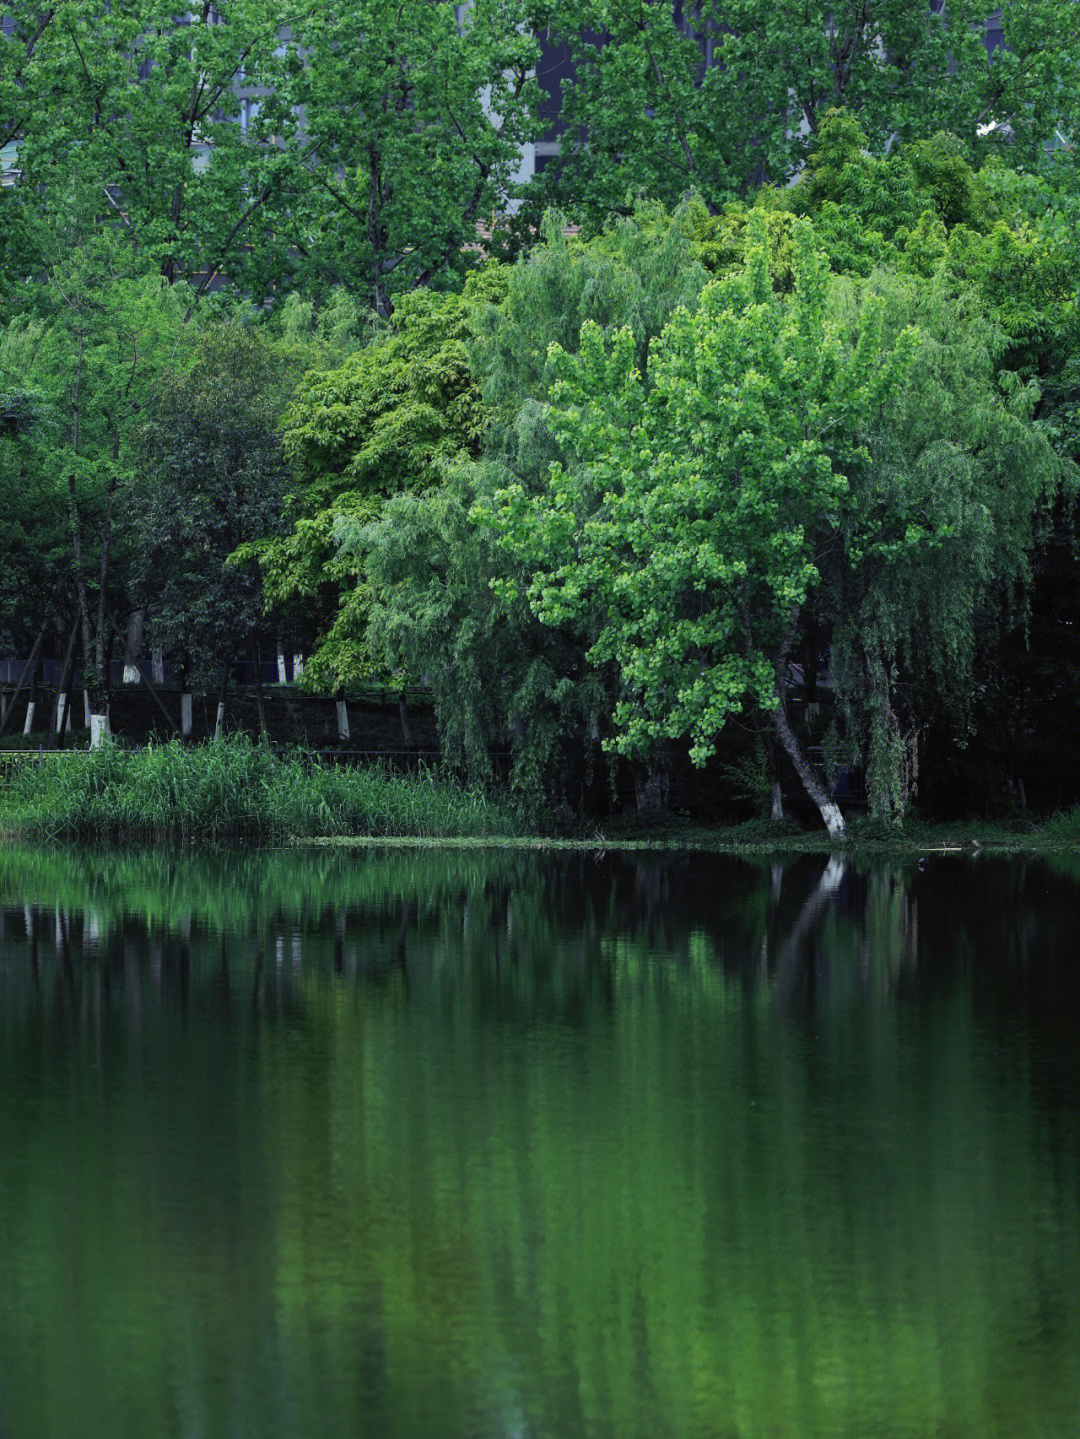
<point x="844" y="453"/>
<point x="155" y="111"/>
<point x="273" y="145"/>
<point x="717" y="100"/>
<point x="940" y="531"/>
<point x="414" y="122"/>
<point x="108" y="332"/>
<point x="686" y="532"/>
<point x="499" y="678"/>
<point x="35" y="546"/>
<point x="384" y="419"/>
<point x="214" y="477"/>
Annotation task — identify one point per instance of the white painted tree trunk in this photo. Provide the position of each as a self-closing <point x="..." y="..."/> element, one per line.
<point x="157" y="664"/>
<point x="297" y="665"/>
<point x="99" y="730"/>
<point x="343" y="731"/>
<point x="282" y="676"/>
<point x="830" y="812"/>
<point x="86" y="708"/>
<point x="61" y="712"/>
<point x="219" y="723"/>
<point x="28" y="723"/>
<point x="834" y="820"/>
<point x="185" y="715"/>
<point x="136" y="625"/>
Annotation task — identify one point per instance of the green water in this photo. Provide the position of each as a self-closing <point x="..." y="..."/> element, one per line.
<point x="452" y="1144"/>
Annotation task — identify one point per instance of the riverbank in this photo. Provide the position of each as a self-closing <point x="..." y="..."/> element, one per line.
<point x="238" y="790"/>
<point x="970" y="839"/>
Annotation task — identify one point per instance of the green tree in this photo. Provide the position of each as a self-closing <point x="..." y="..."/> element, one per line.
<point x="845" y="455"/>
<point x="214" y="477"/>
<point x="939" y="531"/>
<point x="687" y="529"/>
<point x="35" y="547"/>
<point x="645" y="113"/>
<point x="154" y="110"/>
<point x="498" y="677"/>
<point x="414" y="117"/>
<point x="386" y="418"/>
<point x="272" y="145"/>
<point x="108" y="332"/>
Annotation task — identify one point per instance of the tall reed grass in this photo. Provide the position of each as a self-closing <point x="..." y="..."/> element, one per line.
<point x="234" y="788"/>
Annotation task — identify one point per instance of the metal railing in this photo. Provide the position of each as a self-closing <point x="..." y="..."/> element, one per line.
<point x="13" y="760"/>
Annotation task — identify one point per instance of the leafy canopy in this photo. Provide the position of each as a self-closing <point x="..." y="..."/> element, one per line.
<point x="685" y="530"/>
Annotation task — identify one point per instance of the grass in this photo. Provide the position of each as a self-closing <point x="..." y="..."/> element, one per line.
<point x="233" y="789"/>
<point x="236" y="789"/>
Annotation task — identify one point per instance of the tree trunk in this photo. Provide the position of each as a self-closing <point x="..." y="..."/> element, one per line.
<point x="219" y="722"/>
<point x="406" y="728"/>
<point x="96" y="680"/>
<point x="29" y="673"/>
<point x="264" y="733"/>
<point x="281" y="674"/>
<point x="829" y="811"/>
<point x="63" y="691"/>
<point x="344" y="734"/>
<point x="133" y="647"/>
<point x="776" y="801"/>
<point x="652" y="787"/>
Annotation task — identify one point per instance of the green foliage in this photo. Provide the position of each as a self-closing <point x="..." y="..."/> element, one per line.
<point x="36" y="543"/>
<point x="750" y="777"/>
<point x="234" y="787"/>
<point x="938" y="533"/>
<point x="413" y="122"/>
<point x="145" y="111"/>
<point x="639" y="121"/>
<point x="633" y="275"/>
<point x="684" y="531"/>
<point x="213" y="477"/>
<point x="322" y="145"/>
<point x="498" y="678"/>
<point x="388" y="417"/>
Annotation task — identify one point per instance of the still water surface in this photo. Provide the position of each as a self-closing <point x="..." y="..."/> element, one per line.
<point x="448" y="1144"/>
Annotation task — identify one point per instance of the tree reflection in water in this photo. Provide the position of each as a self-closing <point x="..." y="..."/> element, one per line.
<point x="487" y="1142"/>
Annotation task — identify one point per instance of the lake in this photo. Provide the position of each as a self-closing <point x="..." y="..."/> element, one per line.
<point x="441" y="1143"/>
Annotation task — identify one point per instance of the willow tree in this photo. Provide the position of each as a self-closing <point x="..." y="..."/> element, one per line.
<point x="685" y="532"/>
<point x="938" y="534"/>
<point x="844" y="450"/>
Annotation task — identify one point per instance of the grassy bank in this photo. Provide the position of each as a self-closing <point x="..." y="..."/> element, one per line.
<point x="239" y="790"/>
<point x="236" y="789"/>
<point x="634" y="833"/>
